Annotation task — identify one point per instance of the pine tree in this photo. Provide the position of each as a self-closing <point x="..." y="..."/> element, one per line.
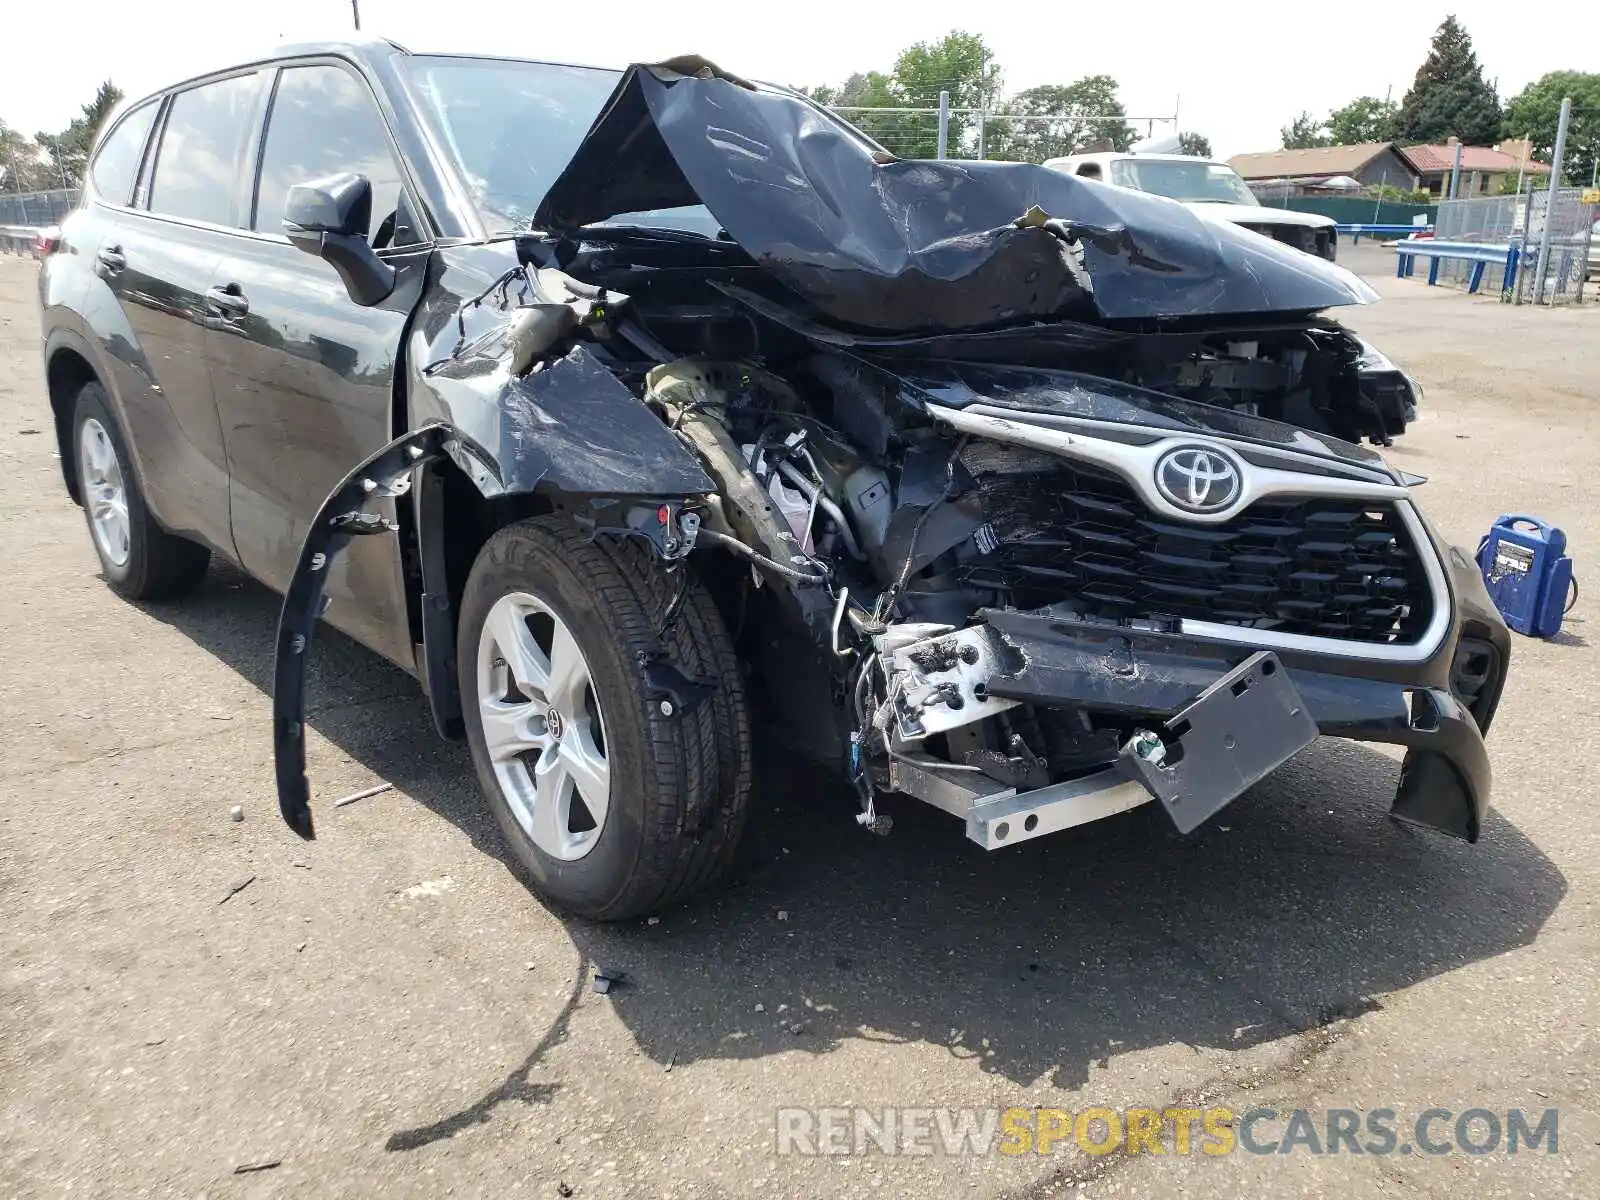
<point x="1450" y="95"/>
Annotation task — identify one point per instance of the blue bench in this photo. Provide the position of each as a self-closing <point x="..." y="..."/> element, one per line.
<point x="1354" y="232"/>
<point x="1479" y="255"/>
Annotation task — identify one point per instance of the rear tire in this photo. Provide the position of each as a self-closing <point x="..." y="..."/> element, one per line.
<point x="139" y="559"/>
<point x="573" y="729"/>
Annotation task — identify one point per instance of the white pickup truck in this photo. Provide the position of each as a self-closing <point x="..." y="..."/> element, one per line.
<point x="1212" y="189"/>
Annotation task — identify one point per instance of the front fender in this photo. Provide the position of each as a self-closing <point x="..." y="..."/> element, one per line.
<point x="391" y="471"/>
<point x="568" y="426"/>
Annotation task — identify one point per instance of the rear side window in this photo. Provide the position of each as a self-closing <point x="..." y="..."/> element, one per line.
<point x="198" y="163"/>
<point x="323" y="122"/>
<point x="117" y="163"/>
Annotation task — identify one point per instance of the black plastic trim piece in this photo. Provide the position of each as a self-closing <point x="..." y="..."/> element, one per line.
<point x="388" y="472"/>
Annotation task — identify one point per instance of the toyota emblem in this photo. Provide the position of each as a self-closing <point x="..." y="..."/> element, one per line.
<point x="1198" y="479"/>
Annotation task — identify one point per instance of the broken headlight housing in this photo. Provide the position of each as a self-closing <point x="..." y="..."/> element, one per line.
<point x="1396" y="394"/>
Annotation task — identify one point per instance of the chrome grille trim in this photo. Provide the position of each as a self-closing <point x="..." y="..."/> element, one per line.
<point x="1135" y="465"/>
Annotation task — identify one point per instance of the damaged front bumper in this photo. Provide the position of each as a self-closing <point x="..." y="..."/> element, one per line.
<point x="1438" y="708"/>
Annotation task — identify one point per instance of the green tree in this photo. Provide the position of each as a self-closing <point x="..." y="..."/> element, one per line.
<point x="1364" y="119"/>
<point x="20" y="168"/>
<point x="1304" y="132"/>
<point x="958" y="63"/>
<point x="69" y="149"/>
<point x="1196" y="144"/>
<point x="1064" y="118"/>
<point x="1533" y="113"/>
<point x="871" y="90"/>
<point x="1450" y="96"/>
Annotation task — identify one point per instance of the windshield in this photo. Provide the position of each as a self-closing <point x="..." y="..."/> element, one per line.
<point x="1194" y="180"/>
<point x="511" y="127"/>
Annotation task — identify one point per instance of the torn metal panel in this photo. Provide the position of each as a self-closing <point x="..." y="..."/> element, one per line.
<point x="566" y="425"/>
<point x="915" y="246"/>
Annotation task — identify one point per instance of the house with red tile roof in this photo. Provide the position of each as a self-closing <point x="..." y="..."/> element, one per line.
<point x="1482" y="167"/>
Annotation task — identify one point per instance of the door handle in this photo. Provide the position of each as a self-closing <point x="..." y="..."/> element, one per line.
<point x="228" y="300"/>
<point x="112" y="259"/>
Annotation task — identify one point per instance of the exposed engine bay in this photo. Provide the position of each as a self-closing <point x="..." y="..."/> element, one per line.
<point x="853" y="505"/>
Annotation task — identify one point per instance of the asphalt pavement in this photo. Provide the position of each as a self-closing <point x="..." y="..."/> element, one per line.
<point x="386" y="1011"/>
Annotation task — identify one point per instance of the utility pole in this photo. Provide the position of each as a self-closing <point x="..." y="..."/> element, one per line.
<point x="355" y="11"/>
<point x="1550" y="202"/>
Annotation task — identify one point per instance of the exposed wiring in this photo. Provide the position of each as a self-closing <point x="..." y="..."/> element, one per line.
<point x="863" y="681"/>
<point x="503" y="285"/>
<point x="794" y="574"/>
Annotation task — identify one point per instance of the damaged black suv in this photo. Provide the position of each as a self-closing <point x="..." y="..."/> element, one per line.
<point x="633" y="412"/>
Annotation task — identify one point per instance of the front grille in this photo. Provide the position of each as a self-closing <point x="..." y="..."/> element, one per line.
<point x="1060" y="533"/>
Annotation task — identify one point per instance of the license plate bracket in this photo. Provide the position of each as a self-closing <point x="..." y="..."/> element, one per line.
<point x="1239" y="730"/>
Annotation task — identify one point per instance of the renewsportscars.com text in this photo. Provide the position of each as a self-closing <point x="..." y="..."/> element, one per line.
<point x="1180" y="1131"/>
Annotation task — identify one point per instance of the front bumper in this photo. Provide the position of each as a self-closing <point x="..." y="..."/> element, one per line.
<point x="1438" y="707"/>
<point x="1444" y="782"/>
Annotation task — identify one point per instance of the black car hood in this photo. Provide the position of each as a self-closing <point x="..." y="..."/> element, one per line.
<point x="916" y="245"/>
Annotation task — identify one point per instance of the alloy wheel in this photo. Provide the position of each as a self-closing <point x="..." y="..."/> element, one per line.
<point x="542" y="726"/>
<point x="105" y="494"/>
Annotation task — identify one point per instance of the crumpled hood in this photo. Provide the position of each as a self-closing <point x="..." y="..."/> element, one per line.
<point x="914" y="245"/>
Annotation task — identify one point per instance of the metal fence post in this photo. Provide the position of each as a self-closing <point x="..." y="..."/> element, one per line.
<point x="944" y="123"/>
<point x="1455" y="171"/>
<point x="982" y="118"/>
<point x="1526" y="199"/>
<point x="1555" y="191"/>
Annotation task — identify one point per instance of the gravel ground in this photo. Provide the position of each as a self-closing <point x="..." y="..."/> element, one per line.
<point x="386" y="1011"/>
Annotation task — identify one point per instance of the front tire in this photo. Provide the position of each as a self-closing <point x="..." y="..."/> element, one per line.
<point x="139" y="559"/>
<point x="612" y="808"/>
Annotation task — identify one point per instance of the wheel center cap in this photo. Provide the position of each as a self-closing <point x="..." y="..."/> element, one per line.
<point x="555" y="723"/>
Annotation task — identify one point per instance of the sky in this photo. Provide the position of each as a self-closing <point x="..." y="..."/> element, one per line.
<point x="1233" y="70"/>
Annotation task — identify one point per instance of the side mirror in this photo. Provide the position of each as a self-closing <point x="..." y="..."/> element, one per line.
<point x="328" y="218"/>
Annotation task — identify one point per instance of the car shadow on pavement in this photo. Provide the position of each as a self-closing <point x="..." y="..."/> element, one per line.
<point x="1299" y="904"/>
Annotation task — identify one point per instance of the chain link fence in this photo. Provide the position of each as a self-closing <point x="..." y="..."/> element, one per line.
<point x="1558" y="247"/>
<point x="1481" y="220"/>
<point x="1572" y="254"/>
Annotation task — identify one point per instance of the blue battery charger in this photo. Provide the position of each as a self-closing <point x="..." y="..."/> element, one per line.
<point x="1526" y="569"/>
